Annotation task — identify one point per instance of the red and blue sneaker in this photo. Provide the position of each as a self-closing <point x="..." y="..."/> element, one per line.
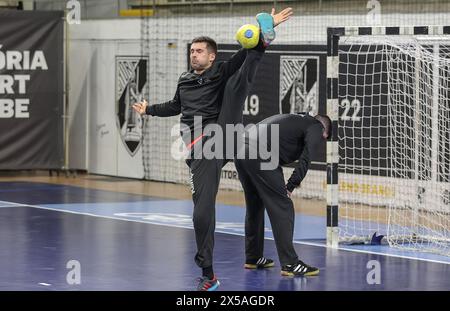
<point x="206" y="284"/>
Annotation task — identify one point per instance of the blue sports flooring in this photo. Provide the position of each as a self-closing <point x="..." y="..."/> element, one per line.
<point x="135" y="242"/>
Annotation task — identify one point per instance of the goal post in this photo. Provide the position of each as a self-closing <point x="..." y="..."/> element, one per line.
<point x="388" y="158"/>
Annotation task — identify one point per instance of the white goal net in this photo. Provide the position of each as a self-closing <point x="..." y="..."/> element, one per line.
<point x="394" y="141"/>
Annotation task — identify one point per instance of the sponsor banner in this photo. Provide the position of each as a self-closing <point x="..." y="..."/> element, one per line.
<point x="31" y="90"/>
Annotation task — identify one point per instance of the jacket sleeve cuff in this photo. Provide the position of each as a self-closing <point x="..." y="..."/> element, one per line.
<point x="150" y="110"/>
<point x="290" y="187"/>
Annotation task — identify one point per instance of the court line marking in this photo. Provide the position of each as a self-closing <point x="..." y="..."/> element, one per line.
<point x="45" y="284"/>
<point x="232" y="233"/>
<point x="7" y="204"/>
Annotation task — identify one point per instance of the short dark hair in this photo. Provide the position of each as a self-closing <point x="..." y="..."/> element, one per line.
<point x="326" y="121"/>
<point x="211" y="45"/>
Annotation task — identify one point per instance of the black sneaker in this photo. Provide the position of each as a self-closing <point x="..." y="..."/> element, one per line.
<point x="206" y="284"/>
<point x="299" y="269"/>
<point x="260" y="263"/>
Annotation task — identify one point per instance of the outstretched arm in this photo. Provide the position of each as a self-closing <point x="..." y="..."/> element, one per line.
<point x="167" y="109"/>
<point x="234" y="63"/>
<point x="282" y="16"/>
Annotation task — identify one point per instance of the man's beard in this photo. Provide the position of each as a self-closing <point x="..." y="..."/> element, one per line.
<point x="197" y="66"/>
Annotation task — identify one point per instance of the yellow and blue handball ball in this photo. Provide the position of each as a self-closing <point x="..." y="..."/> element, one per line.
<point x="248" y="36"/>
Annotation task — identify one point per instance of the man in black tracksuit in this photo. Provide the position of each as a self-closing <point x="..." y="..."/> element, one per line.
<point x="216" y="92"/>
<point x="299" y="135"/>
<point x="202" y="95"/>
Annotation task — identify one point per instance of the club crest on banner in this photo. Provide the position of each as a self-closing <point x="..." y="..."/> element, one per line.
<point x="299" y="84"/>
<point x="131" y="87"/>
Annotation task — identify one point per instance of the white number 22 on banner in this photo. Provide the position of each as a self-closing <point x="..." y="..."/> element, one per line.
<point x="356" y="105"/>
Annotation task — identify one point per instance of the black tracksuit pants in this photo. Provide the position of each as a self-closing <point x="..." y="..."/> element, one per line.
<point x="205" y="174"/>
<point x="265" y="189"/>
